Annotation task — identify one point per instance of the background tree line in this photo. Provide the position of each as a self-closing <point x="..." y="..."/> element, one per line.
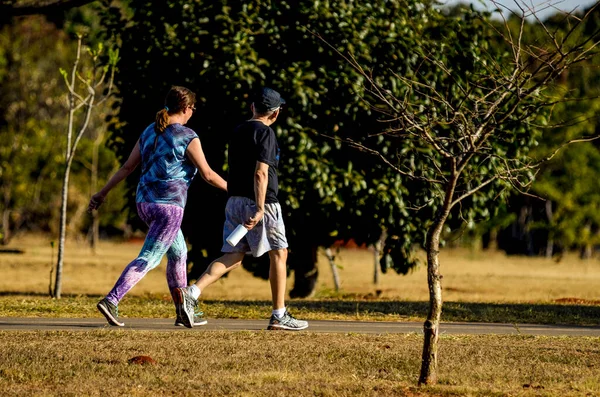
<point x="330" y="191"/>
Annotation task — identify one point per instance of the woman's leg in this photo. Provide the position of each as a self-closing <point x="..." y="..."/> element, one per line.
<point x="164" y="221"/>
<point x="177" y="263"/>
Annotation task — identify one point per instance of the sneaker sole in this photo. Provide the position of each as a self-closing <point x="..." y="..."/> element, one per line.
<point x="284" y="328"/>
<point x="186" y="320"/>
<point x="181" y="324"/>
<point x="106" y="313"/>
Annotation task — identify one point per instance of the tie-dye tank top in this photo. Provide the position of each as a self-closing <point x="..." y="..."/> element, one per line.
<point x="166" y="171"/>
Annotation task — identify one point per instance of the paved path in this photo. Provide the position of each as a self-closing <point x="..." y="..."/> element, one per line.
<point x="359" y="327"/>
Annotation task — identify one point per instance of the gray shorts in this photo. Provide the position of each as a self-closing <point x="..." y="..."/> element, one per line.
<point x="267" y="235"/>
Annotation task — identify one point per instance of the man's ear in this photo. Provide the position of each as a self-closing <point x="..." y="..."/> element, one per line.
<point x="275" y="114"/>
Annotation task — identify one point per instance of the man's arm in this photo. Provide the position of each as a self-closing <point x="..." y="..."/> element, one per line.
<point x="261" y="180"/>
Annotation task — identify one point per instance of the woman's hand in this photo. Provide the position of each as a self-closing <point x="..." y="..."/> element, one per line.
<point x="95" y="202"/>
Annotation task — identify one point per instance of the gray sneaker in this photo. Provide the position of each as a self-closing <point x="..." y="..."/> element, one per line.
<point x="110" y="311"/>
<point x="185" y="306"/>
<point x="286" y="322"/>
<point x="198" y="319"/>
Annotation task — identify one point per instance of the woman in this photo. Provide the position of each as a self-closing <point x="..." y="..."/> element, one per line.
<point x="170" y="154"/>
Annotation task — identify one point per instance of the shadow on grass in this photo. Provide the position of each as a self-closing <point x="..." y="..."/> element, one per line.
<point x="36" y="294"/>
<point x="334" y="308"/>
<point x="558" y="314"/>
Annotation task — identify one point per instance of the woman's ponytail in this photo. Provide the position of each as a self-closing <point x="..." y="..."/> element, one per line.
<point x="177" y="100"/>
<point x="162" y="121"/>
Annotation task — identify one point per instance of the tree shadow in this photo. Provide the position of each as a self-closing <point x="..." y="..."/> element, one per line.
<point x="390" y="310"/>
<point x="522" y="313"/>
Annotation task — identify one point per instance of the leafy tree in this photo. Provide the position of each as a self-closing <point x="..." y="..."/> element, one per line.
<point x="569" y="182"/>
<point x="12" y="8"/>
<point x="558" y="214"/>
<point x="464" y="122"/>
<point x="30" y="101"/>
<point x="222" y="50"/>
<point x="32" y="104"/>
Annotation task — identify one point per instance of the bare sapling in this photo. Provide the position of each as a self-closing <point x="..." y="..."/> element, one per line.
<point x="465" y="139"/>
<point x="88" y="88"/>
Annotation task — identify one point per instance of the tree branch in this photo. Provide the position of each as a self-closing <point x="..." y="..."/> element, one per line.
<point x="31" y="7"/>
<point x="374" y="152"/>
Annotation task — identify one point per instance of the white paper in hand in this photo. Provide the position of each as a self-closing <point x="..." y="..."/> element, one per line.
<point x="235" y="236"/>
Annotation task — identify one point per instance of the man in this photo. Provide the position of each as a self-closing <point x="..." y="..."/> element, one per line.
<point x="252" y="189"/>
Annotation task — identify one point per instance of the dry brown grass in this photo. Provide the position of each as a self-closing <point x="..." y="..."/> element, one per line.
<point x="299" y="364"/>
<point x="469" y="276"/>
<point x="477" y="287"/>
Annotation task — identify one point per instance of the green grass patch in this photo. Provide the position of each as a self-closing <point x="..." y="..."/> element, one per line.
<point x="161" y="306"/>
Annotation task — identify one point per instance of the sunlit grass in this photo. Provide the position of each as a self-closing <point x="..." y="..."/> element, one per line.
<point x="292" y="364"/>
<point x="469" y="276"/>
<point x="478" y="286"/>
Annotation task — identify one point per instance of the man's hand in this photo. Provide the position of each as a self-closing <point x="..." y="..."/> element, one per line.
<point x="253" y="220"/>
<point x="95" y="202"/>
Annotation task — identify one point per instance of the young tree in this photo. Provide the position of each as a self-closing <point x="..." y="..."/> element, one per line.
<point x="87" y="89"/>
<point x="464" y="139"/>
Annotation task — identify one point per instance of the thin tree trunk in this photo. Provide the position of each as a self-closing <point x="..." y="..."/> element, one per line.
<point x="95" y="235"/>
<point x="62" y="233"/>
<point x="336" y="277"/>
<point x="6" y="214"/>
<point x="493" y="243"/>
<point x="91" y="85"/>
<point x="377" y="248"/>
<point x="63" y="206"/>
<point x="5" y="226"/>
<point x="429" y="363"/>
<point x="95" y="228"/>
<point x="65" y="188"/>
<point x="376" y="266"/>
<point x="304" y="262"/>
<point x="550" y="240"/>
<point x="431" y="327"/>
<point x="585" y="251"/>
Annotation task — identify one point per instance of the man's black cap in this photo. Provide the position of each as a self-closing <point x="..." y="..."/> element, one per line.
<point x="267" y="99"/>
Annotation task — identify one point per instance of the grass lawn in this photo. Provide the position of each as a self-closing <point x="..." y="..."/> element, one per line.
<point x="478" y="286"/>
<point x="292" y="364"/>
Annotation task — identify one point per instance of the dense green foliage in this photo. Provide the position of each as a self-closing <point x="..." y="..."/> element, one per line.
<point x="568" y="181"/>
<point x="31" y="107"/>
<point x="33" y="123"/>
<point x="223" y="50"/>
<point x="329" y="191"/>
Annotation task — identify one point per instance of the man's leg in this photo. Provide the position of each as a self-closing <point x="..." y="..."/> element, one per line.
<point x="278" y="276"/>
<point x="188" y="297"/>
<point x="218" y="268"/>
<point x="280" y="318"/>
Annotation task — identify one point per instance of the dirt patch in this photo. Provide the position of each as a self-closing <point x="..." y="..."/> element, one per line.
<point x="578" y="301"/>
<point x="142" y="360"/>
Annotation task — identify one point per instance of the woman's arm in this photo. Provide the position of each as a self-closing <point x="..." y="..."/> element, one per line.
<point x="135" y="157"/>
<point x="196" y="155"/>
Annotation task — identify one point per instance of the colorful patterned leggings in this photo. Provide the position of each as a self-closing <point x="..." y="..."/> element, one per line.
<point x="164" y="237"/>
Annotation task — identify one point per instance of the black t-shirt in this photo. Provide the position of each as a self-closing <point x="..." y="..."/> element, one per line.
<point x="250" y="142"/>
